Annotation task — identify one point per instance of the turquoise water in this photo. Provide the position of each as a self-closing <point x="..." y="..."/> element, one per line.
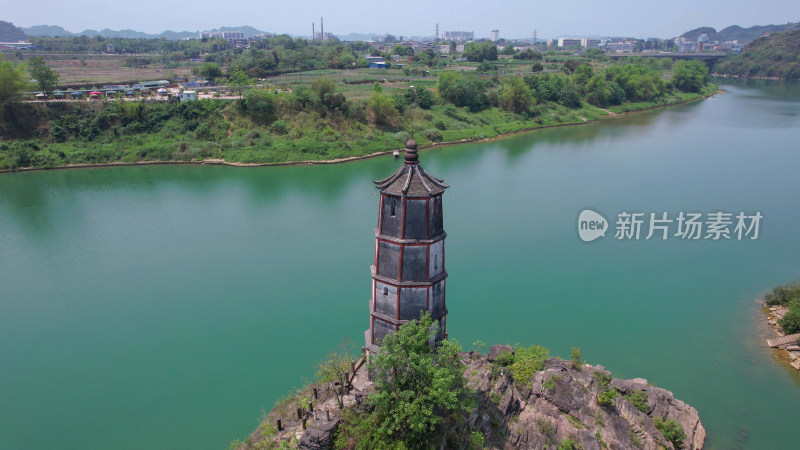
<point x="166" y="307"/>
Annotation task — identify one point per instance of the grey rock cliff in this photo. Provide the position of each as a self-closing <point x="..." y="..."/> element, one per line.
<point x="558" y="404"/>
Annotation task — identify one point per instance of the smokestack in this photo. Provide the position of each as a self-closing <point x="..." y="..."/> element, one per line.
<point x="321" y="29"/>
<point x="313" y="33"/>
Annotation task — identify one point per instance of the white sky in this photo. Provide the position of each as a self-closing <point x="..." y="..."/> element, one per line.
<point x="514" y="18"/>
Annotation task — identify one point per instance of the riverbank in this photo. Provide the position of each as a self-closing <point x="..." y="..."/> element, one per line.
<point x="584" y="115"/>
<point x="788" y="353"/>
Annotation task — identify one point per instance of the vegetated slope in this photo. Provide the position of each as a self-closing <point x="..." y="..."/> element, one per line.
<point x="10" y="33"/>
<point x="741" y="34"/>
<point x="771" y="56"/>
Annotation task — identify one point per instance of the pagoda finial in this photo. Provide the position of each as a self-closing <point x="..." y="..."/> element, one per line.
<point x="411" y="151"/>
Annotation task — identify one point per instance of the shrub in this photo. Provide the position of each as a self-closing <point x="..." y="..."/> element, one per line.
<point x="639" y="400"/>
<point x="607" y="398"/>
<point x="575" y="356"/>
<point x="527" y="361"/>
<point x="433" y="135"/>
<point x="671" y="430"/>
<point x="602" y="379"/>
<point x="505" y="359"/>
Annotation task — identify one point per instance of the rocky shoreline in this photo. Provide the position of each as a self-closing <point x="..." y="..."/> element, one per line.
<point x="790" y="350"/>
<point x="559" y="404"/>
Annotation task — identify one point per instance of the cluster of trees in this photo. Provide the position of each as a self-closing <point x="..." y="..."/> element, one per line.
<point x="284" y="54"/>
<point x="83" y="44"/>
<point x="480" y="51"/>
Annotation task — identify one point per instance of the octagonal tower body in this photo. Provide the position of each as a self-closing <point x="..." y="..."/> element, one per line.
<point x="408" y="274"/>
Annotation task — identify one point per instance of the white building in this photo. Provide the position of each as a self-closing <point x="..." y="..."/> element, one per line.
<point x="227" y="35"/>
<point x="186" y="96"/>
<point x="620" y="47"/>
<point x="459" y="35"/>
<point x="568" y="42"/>
<point x="590" y="43"/>
<point x="495" y="35"/>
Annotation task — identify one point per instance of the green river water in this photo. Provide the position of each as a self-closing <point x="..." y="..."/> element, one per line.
<point x="166" y="307"/>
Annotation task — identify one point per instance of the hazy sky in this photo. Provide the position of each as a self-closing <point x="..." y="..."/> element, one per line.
<point x="514" y="18"/>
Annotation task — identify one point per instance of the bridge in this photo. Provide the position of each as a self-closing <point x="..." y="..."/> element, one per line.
<point x="705" y="57"/>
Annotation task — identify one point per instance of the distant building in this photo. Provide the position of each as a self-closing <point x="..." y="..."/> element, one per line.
<point x="495" y="35"/>
<point x="459" y="35"/>
<point x="619" y="47"/>
<point x="109" y="48"/>
<point x="227" y="35"/>
<point x="702" y="38"/>
<point x="590" y="43"/>
<point x="443" y="49"/>
<point x="19" y="45"/>
<point x="567" y="42"/>
<point x="187" y="96"/>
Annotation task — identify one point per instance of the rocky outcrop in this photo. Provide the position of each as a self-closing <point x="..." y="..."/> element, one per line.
<point x="560" y="403"/>
<point x="557" y="406"/>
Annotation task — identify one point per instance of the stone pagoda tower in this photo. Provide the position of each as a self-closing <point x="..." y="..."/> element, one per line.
<point x="408" y="275"/>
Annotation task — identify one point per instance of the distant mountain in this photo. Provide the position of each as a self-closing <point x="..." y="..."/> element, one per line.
<point x="55" y="31"/>
<point x="735" y="32"/>
<point x="10" y="33"/>
<point x="46" y="31"/>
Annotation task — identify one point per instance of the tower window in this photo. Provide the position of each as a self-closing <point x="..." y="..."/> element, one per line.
<point x="391" y="206"/>
<point x="385" y="291"/>
<point x="435" y="261"/>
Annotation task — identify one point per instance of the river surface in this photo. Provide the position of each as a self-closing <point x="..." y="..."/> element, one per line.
<point x="167" y="307"/>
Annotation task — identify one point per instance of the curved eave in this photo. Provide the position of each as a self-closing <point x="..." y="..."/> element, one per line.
<point x="411" y="180"/>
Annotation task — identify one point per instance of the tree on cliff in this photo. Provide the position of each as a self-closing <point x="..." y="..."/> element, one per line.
<point x="419" y="387"/>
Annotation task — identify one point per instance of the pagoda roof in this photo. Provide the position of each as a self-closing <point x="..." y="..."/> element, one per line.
<point x="411" y="180"/>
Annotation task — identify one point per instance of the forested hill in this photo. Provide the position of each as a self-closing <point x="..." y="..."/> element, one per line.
<point x="735" y="32"/>
<point x="775" y="56"/>
<point x="10" y="33"/>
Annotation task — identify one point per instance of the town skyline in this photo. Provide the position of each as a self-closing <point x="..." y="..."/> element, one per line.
<point x="618" y="18"/>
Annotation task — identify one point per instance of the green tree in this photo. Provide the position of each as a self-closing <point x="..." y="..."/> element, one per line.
<point x="791" y="321"/>
<point x="508" y="50"/>
<point x="537" y="67"/>
<point x="570" y="65"/>
<point x="12" y="81"/>
<point x="381" y="107"/>
<point x="419" y="387"/>
<point x="334" y="368"/>
<point x="575" y="356"/>
<point x="582" y="74"/>
<point x="238" y="80"/>
<point x="515" y="95"/>
<point x="46" y="78"/>
<point x="209" y="70"/>
<point x="323" y="86"/>
<point x="260" y="105"/>
<point x="690" y="76"/>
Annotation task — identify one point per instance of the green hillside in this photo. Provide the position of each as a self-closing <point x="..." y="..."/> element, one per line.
<point x="772" y="56"/>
